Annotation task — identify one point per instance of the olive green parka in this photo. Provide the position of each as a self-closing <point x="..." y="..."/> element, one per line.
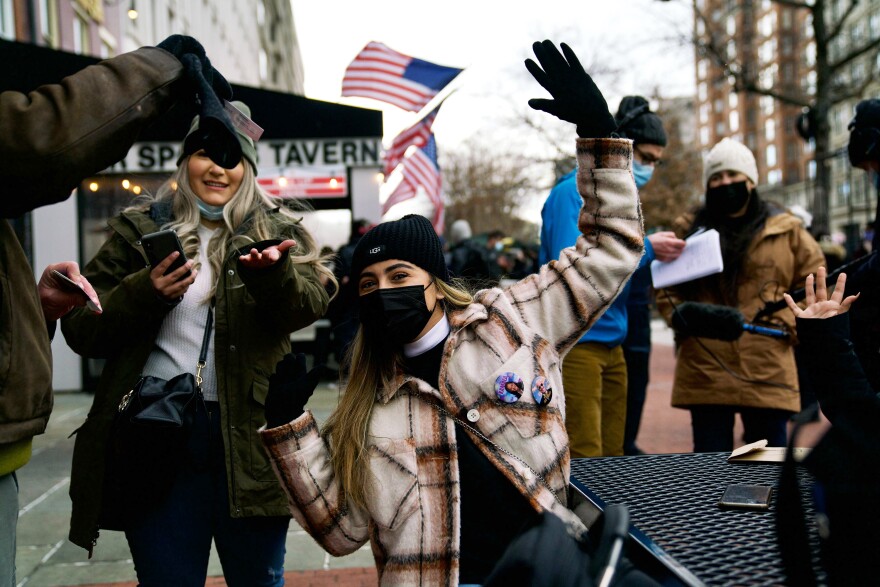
<point x="255" y="312"/>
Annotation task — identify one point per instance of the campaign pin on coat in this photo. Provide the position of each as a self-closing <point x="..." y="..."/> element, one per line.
<point x="541" y="391"/>
<point x="509" y="387"/>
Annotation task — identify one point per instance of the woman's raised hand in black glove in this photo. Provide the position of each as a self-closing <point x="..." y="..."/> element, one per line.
<point x="290" y="387"/>
<point x="575" y="97"/>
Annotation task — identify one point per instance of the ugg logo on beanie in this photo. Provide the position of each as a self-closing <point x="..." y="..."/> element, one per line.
<point x="376" y="250"/>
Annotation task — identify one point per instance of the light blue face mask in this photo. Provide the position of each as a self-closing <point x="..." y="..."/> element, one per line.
<point x="209" y="212"/>
<point x="642" y="173"/>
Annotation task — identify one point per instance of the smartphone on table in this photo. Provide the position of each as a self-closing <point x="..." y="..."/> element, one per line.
<point x="69" y="285"/>
<point x="752" y="497"/>
<point x="158" y="245"/>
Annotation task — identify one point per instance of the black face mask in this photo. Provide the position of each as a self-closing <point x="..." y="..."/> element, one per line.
<point x="395" y="315"/>
<point x="727" y="199"/>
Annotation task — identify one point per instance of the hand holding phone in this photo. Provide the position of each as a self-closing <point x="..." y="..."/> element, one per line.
<point x="171" y="277"/>
<point x="69" y="285"/>
<point x="158" y="245"/>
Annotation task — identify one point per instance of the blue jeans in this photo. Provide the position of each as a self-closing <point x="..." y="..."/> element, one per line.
<point x="172" y="544"/>
<point x="713" y="426"/>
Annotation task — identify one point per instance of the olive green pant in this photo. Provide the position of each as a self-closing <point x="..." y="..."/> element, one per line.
<point x="594" y="380"/>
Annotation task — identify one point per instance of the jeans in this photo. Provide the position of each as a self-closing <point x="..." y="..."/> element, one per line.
<point x="713" y="426"/>
<point x="172" y="544"/>
<point x="8" y="522"/>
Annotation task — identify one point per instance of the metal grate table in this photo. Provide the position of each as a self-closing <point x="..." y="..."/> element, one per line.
<point x="672" y="501"/>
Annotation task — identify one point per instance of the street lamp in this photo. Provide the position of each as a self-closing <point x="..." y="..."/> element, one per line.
<point x="132" y="11"/>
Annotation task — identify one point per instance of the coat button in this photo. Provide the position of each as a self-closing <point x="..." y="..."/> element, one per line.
<point x="509" y="387"/>
<point x="230" y="272"/>
<point x="473" y="415"/>
<point x="232" y="348"/>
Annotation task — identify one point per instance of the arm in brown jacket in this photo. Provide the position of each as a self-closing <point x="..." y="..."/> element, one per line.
<point x="53" y="137"/>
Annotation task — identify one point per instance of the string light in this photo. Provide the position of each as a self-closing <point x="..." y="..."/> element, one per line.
<point x="126" y="184"/>
<point x="282" y="181"/>
<point x="136" y="189"/>
<point x="93" y="186"/>
<point x="132" y="11"/>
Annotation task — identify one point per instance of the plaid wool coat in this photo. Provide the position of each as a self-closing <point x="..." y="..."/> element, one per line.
<point x="412" y="520"/>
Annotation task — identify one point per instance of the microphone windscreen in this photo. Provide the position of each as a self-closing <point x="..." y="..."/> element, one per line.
<point x="708" y="321"/>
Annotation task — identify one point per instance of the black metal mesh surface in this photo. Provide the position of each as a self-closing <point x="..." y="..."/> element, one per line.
<point x="673" y="500"/>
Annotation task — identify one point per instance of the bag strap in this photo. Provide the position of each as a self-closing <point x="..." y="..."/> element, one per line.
<point x="206" y="340"/>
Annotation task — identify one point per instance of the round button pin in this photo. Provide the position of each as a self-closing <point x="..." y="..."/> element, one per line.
<point x="473" y="415"/>
<point x="509" y="387"/>
<point x="541" y="391"/>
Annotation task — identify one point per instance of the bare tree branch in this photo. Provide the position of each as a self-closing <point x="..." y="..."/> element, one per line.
<point x="743" y="85"/>
<point x="852" y="90"/>
<point x="838" y="28"/>
<point x="853" y="55"/>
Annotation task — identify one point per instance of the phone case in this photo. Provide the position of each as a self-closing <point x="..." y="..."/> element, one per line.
<point x="756" y="497"/>
<point x="158" y="245"/>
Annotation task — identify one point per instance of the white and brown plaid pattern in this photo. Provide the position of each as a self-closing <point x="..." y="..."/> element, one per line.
<point x="413" y="521"/>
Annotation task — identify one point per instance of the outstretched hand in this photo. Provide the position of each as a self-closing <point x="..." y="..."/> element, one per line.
<point x="818" y="303"/>
<point x="256" y="259"/>
<point x="290" y="388"/>
<point x="575" y="96"/>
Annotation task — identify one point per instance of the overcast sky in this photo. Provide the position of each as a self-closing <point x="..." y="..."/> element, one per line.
<point x="491" y="38"/>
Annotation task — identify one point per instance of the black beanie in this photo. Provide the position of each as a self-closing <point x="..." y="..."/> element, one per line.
<point x="864" y="138"/>
<point x="636" y="121"/>
<point x="412" y="238"/>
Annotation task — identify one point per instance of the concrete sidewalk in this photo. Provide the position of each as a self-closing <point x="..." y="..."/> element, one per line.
<point x="45" y="557"/>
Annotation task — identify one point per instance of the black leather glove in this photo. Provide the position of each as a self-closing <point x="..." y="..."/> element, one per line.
<point x="575" y="97"/>
<point x="216" y="131"/>
<point x="290" y="388"/>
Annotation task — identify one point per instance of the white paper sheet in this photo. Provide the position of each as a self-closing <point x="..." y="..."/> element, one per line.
<point x="701" y="257"/>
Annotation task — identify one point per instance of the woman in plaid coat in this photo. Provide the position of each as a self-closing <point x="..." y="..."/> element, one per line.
<point x="449" y="439"/>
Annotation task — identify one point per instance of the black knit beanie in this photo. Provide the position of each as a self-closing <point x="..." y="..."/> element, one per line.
<point x="864" y="138"/>
<point x="636" y="121"/>
<point x="412" y="238"/>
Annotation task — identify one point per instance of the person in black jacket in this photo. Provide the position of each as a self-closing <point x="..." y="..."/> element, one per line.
<point x="846" y="461"/>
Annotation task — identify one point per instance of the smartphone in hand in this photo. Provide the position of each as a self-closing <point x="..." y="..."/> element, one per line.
<point x="69" y="285"/>
<point x="158" y="245"/>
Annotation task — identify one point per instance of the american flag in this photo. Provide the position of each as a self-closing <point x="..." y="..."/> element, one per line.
<point x="420" y="169"/>
<point x="416" y="135"/>
<point x="384" y="74"/>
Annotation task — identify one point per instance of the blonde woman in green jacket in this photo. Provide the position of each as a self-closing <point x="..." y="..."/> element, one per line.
<point x="261" y="269"/>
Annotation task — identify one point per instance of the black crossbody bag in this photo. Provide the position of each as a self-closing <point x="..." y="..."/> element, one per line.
<point x="150" y="433"/>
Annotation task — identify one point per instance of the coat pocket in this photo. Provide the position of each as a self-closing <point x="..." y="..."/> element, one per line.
<point x="395" y="482"/>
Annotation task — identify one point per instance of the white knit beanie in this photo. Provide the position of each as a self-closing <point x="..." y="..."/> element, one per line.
<point x="730" y="155"/>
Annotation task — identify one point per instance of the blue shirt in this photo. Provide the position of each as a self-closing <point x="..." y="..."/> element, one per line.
<point x="559" y="230"/>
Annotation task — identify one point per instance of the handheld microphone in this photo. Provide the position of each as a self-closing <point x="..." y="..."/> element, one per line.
<point x="717" y="322"/>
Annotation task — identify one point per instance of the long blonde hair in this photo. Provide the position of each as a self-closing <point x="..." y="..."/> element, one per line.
<point x="371" y="370"/>
<point x="250" y="205"/>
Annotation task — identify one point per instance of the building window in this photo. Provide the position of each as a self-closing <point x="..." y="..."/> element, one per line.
<point x="702" y="69"/>
<point x="774" y="176"/>
<point x="767" y="105"/>
<point x="703" y="91"/>
<point x="49" y="22"/>
<point x="81" y="41"/>
<point x="7" y="20"/>
<point x="719" y="129"/>
<point x="264" y="65"/>
<point x="770" y="129"/>
<point x="704" y="113"/>
<point x="704" y="135"/>
<point x="771" y="156"/>
<point x="734" y="121"/>
<point x="786" y="18"/>
<point x="733" y="100"/>
<point x="874" y="23"/>
<point x="719" y="106"/>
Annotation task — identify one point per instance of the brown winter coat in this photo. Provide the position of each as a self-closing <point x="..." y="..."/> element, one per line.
<point x="778" y="260"/>
<point x="50" y="139"/>
<point x="413" y="522"/>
